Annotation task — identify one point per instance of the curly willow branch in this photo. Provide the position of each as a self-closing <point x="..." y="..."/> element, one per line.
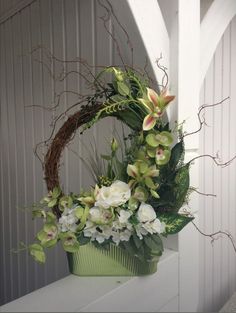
<point x="213" y="235"/>
<point x="202" y="121"/>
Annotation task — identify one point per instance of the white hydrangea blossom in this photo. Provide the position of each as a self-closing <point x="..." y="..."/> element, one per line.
<point x="68" y="220"/>
<point x="119" y="230"/>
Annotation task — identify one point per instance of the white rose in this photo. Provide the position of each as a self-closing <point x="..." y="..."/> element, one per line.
<point x="146" y="213"/>
<point x="124" y="216"/>
<point x="115" y="195"/>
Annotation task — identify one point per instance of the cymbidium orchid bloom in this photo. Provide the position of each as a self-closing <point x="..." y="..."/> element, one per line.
<point x="141" y="172"/>
<point x="155" y="105"/>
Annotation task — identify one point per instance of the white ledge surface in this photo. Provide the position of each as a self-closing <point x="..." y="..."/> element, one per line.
<point x="105" y="294"/>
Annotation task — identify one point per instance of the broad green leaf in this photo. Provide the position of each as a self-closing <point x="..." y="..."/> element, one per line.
<point x="154" y="245"/>
<point x="176" y="154"/>
<point x="137" y="241"/>
<point x="37" y="252"/>
<point x="56" y="192"/>
<point x="123" y="89"/>
<point x="181" y="185"/>
<point x="174" y="222"/>
<point x="131" y="249"/>
<point x="158" y="240"/>
<point x="83" y="240"/>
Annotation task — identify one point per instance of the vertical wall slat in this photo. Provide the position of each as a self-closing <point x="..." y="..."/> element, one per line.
<point x="69" y="29"/>
<point x="218" y="263"/>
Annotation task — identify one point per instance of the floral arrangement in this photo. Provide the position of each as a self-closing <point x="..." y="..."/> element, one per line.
<point x="139" y="187"/>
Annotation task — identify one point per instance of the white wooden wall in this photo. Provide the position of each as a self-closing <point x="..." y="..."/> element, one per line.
<point x="69" y="28"/>
<point x="218" y="261"/>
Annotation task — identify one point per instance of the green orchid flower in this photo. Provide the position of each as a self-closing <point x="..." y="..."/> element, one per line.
<point x="162" y="155"/>
<point x="142" y="173"/>
<point x="155" y="105"/>
<point x="159" y="138"/>
<point x="48" y="236"/>
<point x="69" y="242"/>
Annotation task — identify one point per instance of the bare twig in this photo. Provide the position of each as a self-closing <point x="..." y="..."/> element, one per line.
<point x="129" y="43"/>
<point x="165" y="75"/>
<point x="105" y="19"/>
<point x="215" y="159"/>
<point x="213" y="235"/>
<point x="203" y="193"/>
<point x="202" y="119"/>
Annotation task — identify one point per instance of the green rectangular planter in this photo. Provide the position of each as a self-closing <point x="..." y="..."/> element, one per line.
<point x="91" y="261"/>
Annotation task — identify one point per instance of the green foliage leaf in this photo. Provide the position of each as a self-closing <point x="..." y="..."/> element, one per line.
<point x="181" y="186"/>
<point x="56" y="192"/>
<point x="36" y="251"/>
<point x="123" y="89"/>
<point x="137" y="241"/>
<point x="176" y="154"/>
<point x="83" y="240"/>
<point x="154" y="242"/>
<point x="174" y="222"/>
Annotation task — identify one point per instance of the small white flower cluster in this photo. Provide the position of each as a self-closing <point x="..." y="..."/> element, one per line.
<point x="68" y="220"/>
<point x="108" y="221"/>
<point x="118" y="230"/>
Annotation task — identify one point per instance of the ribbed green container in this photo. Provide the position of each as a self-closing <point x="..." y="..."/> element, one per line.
<point x="90" y="261"/>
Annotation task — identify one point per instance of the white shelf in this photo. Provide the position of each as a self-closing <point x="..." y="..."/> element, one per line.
<point x="105" y="294"/>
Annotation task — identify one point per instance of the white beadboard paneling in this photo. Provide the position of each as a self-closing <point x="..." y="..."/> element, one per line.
<point x="9" y="8"/>
<point x="70" y="29"/>
<point x="218" y="262"/>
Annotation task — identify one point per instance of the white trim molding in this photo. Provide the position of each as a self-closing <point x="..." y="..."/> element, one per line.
<point x="153" y="31"/>
<point x="188" y="102"/>
<point x="213" y="26"/>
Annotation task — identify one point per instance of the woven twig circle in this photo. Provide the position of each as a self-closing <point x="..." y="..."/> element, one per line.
<point x="61" y="139"/>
